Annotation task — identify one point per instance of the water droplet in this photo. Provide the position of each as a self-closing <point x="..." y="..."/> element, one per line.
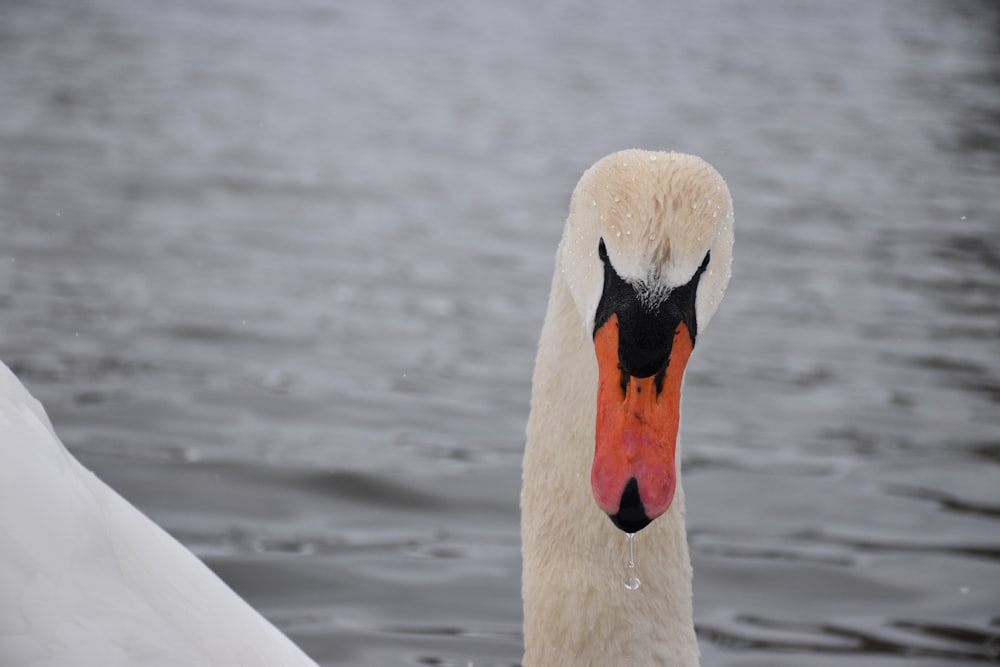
<point x="632" y="582"/>
<point x="964" y="590"/>
<point x="963" y="217"/>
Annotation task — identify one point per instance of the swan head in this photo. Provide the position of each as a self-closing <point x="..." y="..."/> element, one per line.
<point x="646" y="255"/>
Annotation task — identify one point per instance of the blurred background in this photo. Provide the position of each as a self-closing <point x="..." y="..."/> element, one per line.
<point x="277" y="271"/>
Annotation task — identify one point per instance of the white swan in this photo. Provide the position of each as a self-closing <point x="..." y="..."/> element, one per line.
<point x="643" y="263"/>
<point x="87" y="579"/>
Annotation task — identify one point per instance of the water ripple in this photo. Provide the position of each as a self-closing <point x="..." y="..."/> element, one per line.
<point x="954" y="643"/>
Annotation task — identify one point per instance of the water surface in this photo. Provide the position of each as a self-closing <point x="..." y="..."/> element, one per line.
<point x="277" y="271"/>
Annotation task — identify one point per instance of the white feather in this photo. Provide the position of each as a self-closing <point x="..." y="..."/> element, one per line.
<point x="87" y="579"/>
<point x="658" y="213"/>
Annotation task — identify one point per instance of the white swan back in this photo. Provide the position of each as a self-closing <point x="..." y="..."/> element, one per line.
<point x="87" y="579"/>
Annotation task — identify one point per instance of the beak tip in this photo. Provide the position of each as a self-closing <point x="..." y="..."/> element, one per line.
<point x="631" y="516"/>
<point x="629" y="525"/>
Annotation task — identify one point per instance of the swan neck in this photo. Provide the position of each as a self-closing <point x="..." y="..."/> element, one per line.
<point x="577" y="609"/>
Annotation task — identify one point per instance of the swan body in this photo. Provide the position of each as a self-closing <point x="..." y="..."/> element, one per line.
<point x="656" y="230"/>
<point x="87" y="579"/>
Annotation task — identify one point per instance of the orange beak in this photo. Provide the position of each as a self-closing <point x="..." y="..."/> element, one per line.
<point x="634" y="474"/>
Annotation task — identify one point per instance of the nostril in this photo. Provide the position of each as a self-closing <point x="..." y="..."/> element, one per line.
<point x="631" y="516"/>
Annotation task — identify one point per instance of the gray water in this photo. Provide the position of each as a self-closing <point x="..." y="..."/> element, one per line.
<point x="277" y="271"/>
